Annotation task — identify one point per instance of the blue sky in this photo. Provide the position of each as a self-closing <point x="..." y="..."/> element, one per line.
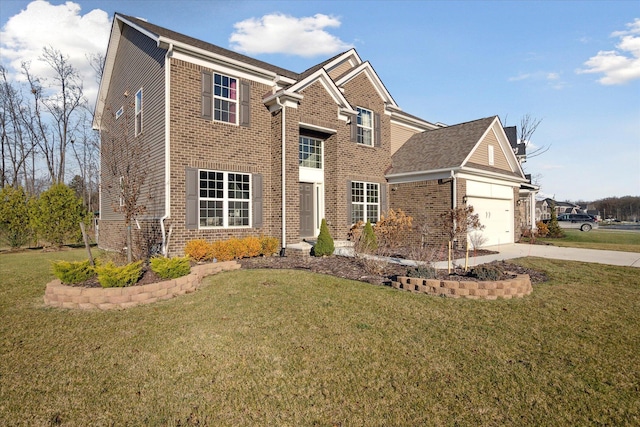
<point x="573" y="64"/>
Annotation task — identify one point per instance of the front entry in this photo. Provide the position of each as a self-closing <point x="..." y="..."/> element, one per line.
<point x="307" y="226"/>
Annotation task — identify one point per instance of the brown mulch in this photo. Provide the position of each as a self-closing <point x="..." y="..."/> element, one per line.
<point x="378" y="273"/>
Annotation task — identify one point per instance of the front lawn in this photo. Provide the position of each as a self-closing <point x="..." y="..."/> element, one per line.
<point x="603" y="239"/>
<point x="265" y="347"/>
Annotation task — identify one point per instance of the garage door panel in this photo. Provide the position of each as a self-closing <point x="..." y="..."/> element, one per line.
<point x="496" y="216"/>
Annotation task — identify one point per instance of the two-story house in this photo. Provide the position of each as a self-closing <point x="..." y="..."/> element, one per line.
<point x="230" y="146"/>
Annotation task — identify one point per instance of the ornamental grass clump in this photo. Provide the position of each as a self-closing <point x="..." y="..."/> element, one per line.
<point x="112" y="276"/>
<point x="170" y="268"/>
<point x="72" y="272"/>
<point x="324" y="246"/>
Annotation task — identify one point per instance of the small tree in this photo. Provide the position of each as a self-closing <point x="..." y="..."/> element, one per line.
<point x="14" y="216"/>
<point x="57" y="214"/>
<point x="324" y="246"/>
<point x="554" y="228"/>
<point x="368" y="241"/>
<point x="459" y="222"/>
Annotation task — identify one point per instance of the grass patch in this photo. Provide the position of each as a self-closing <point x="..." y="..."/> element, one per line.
<point x="259" y="347"/>
<point x="610" y="240"/>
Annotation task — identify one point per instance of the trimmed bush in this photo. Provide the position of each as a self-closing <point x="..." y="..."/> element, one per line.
<point x="269" y="246"/>
<point x="324" y="246"/>
<point x="73" y="272"/>
<point x="14" y="216"/>
<point x="170" y="268"/>
<point x="237" y="248"/>
<point x="252" y="245"/>
<point x="423" y="272"/>
<point x="488" y="272"/>
<point x="198" y="250"/>
<point x="368" y="241"/>
<point x="221" y="251"/>
<point x="112" y="276"/>
<point x="543" y="230"/>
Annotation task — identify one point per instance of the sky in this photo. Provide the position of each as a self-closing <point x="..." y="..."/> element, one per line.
<point x="574" y="65"/>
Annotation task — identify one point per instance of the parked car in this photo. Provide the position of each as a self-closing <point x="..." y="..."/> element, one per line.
<point x="583" y="222"/>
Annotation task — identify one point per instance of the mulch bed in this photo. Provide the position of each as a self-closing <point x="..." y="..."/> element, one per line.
<point x="376" y="273"/>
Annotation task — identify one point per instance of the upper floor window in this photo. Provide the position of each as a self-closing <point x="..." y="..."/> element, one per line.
<point x="138" y="110"/>
<point x="365" y="126"/>
<point x="224" y="199"/>
<point x="310" y="152"/>
<point x="225" y="98"/>
<point x="119" y="112"/>
<point x="365" y="202"/>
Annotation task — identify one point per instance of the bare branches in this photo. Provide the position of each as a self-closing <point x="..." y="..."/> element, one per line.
<point x="528" y="126"/>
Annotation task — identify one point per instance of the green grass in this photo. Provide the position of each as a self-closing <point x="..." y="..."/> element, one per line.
<point x="611" y="240"/>
<point x="292" y="348"/>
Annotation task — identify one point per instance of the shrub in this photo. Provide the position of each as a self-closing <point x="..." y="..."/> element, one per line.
<point x="423" y="272"/>
<point x="543" y="230"/>
<point x="57" y="215"/>
<point x="269" y="245"/>
<point x="198" y="250"/>
<point x="324" y="246"/>
<point x="252" y="245"/>
<point x="393" y="228"/>
<point x="368" y="241"/>
<point x="554" y="228"/>
<point x="73" y="272"/>
<point x="237" y="248"/>
<point x="490" y="272"/>
<point x="221" y="250"/>
<point x="112" y="276"/>
<point x="170" y="268"/>
<point x="14" y="216"/>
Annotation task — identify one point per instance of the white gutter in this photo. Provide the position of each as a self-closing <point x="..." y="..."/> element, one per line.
<point x="167" y="146"/>
<point x="284" y="175"/>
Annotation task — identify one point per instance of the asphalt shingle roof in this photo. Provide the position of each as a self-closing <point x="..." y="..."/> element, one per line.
<point x="438" y="149"/>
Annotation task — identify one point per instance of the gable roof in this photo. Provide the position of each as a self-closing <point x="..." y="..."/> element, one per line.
<point x="448" y="149"/>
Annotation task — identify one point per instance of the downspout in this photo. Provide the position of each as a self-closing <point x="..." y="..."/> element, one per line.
<point x="455" y="190"/>
<point x="284" y="178"/>
<point x="167" y="160"/>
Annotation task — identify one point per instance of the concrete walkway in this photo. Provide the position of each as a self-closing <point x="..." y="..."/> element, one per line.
<point x="519" y="250"/>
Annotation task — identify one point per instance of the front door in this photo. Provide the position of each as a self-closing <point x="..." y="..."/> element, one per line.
<point x="307" y="227"/>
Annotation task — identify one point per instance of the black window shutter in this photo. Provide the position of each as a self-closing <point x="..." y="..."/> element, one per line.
<point x="245" y="104"/>
<point x="383" y="198"/>
<point x="349" y="222"/>
<point x="192" y="209"/>
<point x="207" y="95"/>
<point x="354" y="128"/>
<point x="257" y="200"/>
<point x="377" y="133"/>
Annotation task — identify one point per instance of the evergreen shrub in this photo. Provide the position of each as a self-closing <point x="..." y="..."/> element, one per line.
<point x="71" y="272"/>
<point x="324" y="245"/>
<point x="112" y="276"/>
<point x="170" y="268"/>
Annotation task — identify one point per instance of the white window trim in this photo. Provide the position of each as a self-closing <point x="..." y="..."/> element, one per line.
<point x="321" y="152"/>
<point x="234" y="101"/>
<point x="225" y="201"/>
<point x="360" y="126"/>
<point x="139" y="105"/>
<point x="365" y="204"/>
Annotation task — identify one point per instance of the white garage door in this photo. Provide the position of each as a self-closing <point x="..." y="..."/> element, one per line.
<point x="497" y="217"/>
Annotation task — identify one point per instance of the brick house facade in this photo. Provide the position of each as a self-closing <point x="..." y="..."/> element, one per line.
<point x="231" y="146"/>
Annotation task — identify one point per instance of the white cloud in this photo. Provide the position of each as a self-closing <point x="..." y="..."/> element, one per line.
<point x="279" y="33"/>
<point x="61" y="27"/>
<point x="622" y="65"/>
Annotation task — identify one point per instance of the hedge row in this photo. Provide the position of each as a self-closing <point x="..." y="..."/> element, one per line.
<point x="226" y="250"/>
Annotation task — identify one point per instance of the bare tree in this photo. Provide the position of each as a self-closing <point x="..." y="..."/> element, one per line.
<point x="528" y="126"/>
<point x="125" y="166"/>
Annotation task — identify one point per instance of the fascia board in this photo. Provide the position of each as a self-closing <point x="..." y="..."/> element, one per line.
<point x="420" y="125"/>
<point x="489" y="176"/>
<point x="322" y="76"/>
<point x="287" y="98"/>
<point x="397" y="178"/>
<point x="350" y="53"/>
<point x="222" y="67"/>
<point x="373" y="76"/>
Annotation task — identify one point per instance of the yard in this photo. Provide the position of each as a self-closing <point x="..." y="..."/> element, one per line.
<point x="265" y="347"/>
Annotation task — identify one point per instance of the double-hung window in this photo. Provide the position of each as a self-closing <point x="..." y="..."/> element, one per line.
<point x="225" y="199"/>
<point x="310" y="152"/>
<point x="365" y="202"/>
<point x="225" y="98"/>
<point x="138" y="107"/>
<point x="365" y="126"/>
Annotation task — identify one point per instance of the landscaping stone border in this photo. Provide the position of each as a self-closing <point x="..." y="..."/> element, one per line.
<point x="517" y="287"/>
<point x="75" y="297"/>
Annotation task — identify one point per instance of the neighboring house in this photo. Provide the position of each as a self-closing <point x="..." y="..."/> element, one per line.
<point x="232" y="146"/>
<point x="543" y="208"/>
<point x="470" y="163"/>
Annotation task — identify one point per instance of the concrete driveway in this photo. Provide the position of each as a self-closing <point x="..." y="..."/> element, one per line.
<point x="519" y="250"/>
